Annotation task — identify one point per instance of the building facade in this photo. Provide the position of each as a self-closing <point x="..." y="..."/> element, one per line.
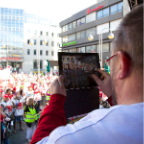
<point x="17" y="28"/>
<point x="94" y="20"/>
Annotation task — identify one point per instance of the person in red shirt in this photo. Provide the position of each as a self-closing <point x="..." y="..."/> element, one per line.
<point x="9" y="92"/>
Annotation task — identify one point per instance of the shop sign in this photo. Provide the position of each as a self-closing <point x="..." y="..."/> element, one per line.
<point x="10" y="58"/>
<point x="95" y="9"/>
<point x="70" y="43"/>
<point x="15" y="55"/>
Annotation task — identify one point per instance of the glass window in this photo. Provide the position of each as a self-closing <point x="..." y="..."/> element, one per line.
<point x="74" y="24"/>
<point x="66" y="28"/>
<point x="57" y="35"/>
<point x="41" y="42"/>
<point x="46" y="33"/>
<point x="81" y="50"/>
<point x="47" y="43"/>
<point x="52" y="43"/>
<point x="105" y="47"/>
<point x="71" y="37"/>
<point x="28" y="51"/>
<point x="52" y="34"/>
<point x="70" y="26"/>
<point x="91" y="31"/>
<point x="82" y="34"/>
<point x="91" y="49"/>
<point x="52" y="53"/>
<point x="111" y="47"/>
<point x="41" y="52"/>
<point x="72" y="50"/>
<point x="34" y="41"/>
<point x="34" y="64"/>
<point x="82" y="21"/>
<point x="41" y="64"/>
<point x="120" y="7"/>
<point x="105" y="12"/>
<point x="113" y="9"/>
<point x="28" y="41"/>
<point x="99" y="14"/>
<point x="78" y="35"/>
<point x="41" y="32"/>
<point x="46" y="53"/>
<point x="78" y="22"/>
<point x="34" y="52"/>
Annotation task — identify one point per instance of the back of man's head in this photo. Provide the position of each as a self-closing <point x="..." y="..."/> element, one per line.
<point x="130" y="38"/>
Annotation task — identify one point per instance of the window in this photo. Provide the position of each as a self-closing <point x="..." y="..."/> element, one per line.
<point x="74" y="24"/>
<point x="41" y="32"/>
<point x="41" y="52"/>
<point x="52" y="34"/>
<point x="105" y="47"/>
<point x="41" y="64"/>
<point x="46" y="53"/>
<point x="46" y="33"/>
<point x="57" y="44"/>
<point x="72" y="50"/>
<point x="57" y="35"/>
<point x="103" y="13"/>
<point x="35" y="32"/>
<point x="78" y="35"/>
<point x="70" y="26"/>
<point x="91" y="49"/>
<point x="81" y="50"/>
<point x="91" y="31"/>
<point x="82" y="21"/>
<point x="28" y="31"/>
<point x="41" y="42"/>
<point x="47" y="43"/>
<point x="52" y="43"/>
<point x="52" y="53"/>
<point x="71" y="37"/>
<point x="28" y="41"/>
<point x="116" y="8"/>
<point x="28" y="51"/>
<point x="34" y="52"/>
<point x="101" y="27"/>
<point x="78" y="22"/>
<point x="66" y="28"/>
<point x="114" y="24"/>
<point x="91" y="17"/>
<point x="111" y="46"/>
<point x="34" y="41"/>
<point x="34" y="64"/>
<point x="65" y="39"/>
<point x="82" y="34"/>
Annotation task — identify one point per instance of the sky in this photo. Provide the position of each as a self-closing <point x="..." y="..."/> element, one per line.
<point x="56" y="9"/>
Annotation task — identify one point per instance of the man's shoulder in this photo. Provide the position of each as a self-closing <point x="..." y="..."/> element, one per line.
<point x="98" y="123"/>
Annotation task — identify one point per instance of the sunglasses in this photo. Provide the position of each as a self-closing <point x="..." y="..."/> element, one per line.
<point x="108" y="60"/>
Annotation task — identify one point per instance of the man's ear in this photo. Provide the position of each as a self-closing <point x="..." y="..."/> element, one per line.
<point x="124" y="65"/>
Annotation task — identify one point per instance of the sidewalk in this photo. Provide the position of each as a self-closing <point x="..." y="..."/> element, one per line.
<point x="20" y="136"/>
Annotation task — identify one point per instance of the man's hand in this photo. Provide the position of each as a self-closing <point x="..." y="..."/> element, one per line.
<point x="57" y="86"/>
<point x="104" y="82"/>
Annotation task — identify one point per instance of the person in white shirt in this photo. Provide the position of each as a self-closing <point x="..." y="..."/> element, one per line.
<point x="120" y="124"/>
<point x="19" y="112"/>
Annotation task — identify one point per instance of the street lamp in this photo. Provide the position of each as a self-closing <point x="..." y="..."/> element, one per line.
<point x="110" y="36"/>
<point x="38" y="50"/>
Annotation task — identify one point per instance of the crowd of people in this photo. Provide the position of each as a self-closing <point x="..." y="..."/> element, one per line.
<point x="22" y="98"/>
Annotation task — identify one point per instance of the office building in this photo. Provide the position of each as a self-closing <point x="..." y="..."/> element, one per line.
<point x="97" y="19"/>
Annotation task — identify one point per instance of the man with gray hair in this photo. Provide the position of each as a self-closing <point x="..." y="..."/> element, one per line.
<point x="119" y="124"/>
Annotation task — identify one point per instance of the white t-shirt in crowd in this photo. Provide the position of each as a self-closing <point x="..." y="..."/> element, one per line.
<point x="19" y="104"/>
<point x="8" y="107"/>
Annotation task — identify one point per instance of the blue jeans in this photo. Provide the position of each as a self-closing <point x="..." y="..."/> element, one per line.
<point x="6" y="140"/>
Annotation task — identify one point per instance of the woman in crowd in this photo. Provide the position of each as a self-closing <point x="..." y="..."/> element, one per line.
<point x="30" y="118"/>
